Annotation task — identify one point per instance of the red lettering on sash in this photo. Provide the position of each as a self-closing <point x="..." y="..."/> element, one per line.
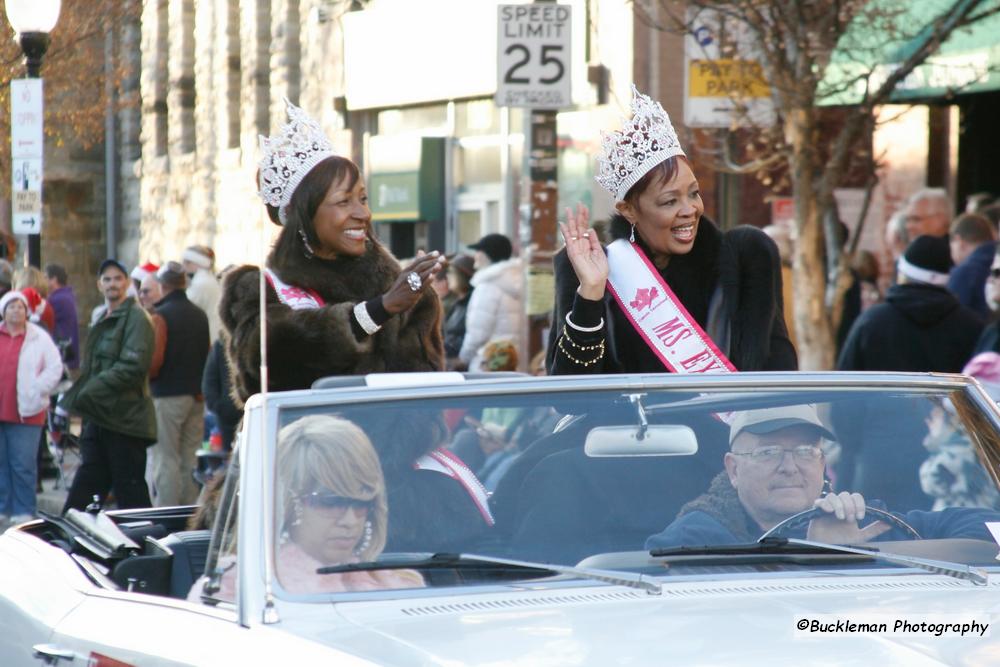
<point x="664" y="331"/>
<point x="704" y="355"/>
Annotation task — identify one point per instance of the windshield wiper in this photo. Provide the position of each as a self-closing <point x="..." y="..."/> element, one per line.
<point x="474" y="561"/>
<point x="769" y="547"/>
<point x="976" y="575"/>
<point x="781" y="546"/>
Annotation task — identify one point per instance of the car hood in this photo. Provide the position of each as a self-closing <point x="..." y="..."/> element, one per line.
<point x="694" y="623"/>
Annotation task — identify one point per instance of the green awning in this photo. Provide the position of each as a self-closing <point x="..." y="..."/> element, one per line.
<point x="889" y="31"/>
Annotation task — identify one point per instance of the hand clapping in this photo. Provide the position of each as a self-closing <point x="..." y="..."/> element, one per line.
<point x="402" y="294"/>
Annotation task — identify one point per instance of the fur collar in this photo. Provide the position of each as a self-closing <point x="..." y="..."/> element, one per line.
<point x="722" y="503"/>
<point x="341" y="279"/>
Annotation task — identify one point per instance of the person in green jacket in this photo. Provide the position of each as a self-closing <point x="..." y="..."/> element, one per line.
<point x="112" y="396"/>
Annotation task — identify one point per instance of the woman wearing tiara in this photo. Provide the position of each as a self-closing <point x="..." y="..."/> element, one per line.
<point x="671" y="292"/>
<point x="339" y="304"/>
<point x="337" y="301"/>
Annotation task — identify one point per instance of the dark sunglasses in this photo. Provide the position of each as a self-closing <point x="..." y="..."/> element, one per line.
<point x="331" y="501"/>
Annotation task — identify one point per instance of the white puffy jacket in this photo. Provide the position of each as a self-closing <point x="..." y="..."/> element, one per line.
<point x="496" y="309"/>
<point x="39" y="369"/>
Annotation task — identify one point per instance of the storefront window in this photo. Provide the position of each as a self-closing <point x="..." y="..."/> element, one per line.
<point x="477" y="165"/>
<point x="477" y="117"/>
<point x="428" y="120"/>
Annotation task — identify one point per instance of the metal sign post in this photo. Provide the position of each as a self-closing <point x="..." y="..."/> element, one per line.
<point x="26" y="162"/>
<point x="534" y="72"/>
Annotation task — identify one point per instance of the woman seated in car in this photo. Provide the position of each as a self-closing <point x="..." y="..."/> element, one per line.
<point x="331" y="509"/>
<point x="332" y="504"/>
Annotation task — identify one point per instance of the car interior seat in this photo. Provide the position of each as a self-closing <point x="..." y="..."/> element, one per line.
<point x="190" y="551"/>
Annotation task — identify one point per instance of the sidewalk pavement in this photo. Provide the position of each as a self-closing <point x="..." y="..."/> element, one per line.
<point x="52" y="497"/>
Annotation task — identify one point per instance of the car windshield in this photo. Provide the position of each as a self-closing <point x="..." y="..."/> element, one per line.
<point x="574" y="476"/>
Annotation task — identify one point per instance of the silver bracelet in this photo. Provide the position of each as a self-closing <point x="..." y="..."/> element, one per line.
<point x="364" y="319"/>
<point x="584" y="329"/>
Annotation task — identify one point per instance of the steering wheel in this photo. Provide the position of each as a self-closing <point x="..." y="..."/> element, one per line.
<point x="803" y="518"/>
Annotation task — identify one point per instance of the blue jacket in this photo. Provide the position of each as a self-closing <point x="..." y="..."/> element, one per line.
<point x="699" y="528"/>
<point x="968" y="279"/>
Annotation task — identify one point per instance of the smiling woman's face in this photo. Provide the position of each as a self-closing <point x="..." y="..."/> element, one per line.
<point x="15" y="313"/>
<point x="342" y="220"/>
<point x="666" y="213"/>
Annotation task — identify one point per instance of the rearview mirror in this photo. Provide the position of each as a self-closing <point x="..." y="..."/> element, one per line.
<point x="656" y="440"/>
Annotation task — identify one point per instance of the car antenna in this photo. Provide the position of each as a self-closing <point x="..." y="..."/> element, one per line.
<point x="270" y="613"/>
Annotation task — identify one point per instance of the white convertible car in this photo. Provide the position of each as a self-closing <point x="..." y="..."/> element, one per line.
<point x="604" y="520"/>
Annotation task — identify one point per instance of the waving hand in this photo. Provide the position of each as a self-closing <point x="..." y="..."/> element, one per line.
<point x="585" y="253"/>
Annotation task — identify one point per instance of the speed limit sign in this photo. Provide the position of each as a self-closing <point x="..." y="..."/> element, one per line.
<point x="533" y="56"/>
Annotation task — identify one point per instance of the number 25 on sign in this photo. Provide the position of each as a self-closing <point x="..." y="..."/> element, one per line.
<point x="533" y="56"/>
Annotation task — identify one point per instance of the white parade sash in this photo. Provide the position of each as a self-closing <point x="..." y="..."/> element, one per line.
<point x="659" y="316"/>
<point x="296" y="298"/>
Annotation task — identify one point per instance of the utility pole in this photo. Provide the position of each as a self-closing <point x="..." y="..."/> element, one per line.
<point x="533" y="73"/>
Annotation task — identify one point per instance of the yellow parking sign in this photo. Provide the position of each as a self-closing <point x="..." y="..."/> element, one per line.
<point x="731" y="78"/>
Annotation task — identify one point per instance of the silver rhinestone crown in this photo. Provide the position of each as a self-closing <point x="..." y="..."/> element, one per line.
<point x="289" y="155"/>
<point x="643" y="142"/>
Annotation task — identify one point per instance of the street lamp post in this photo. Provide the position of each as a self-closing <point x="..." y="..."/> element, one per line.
<point x="33" y="20"/>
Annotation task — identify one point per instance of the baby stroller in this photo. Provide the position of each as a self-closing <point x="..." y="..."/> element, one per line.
<point x="63" y="445"/>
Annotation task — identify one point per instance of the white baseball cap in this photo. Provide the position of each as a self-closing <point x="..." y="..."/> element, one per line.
<point x="769" y="420"/>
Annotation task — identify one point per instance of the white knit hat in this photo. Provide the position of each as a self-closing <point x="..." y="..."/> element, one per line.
<point x="10" y="296"/>
<point x="199" y="255"/>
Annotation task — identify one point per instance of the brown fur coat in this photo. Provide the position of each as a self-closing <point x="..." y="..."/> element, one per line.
<point x="305" y="345"/>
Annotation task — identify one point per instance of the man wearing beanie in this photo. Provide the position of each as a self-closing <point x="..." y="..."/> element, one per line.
<point x="921" y="326"/>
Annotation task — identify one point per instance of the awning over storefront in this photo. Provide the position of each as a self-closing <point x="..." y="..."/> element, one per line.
<point x="889" y="31"/>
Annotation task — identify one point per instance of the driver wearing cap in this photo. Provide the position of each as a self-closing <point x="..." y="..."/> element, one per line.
<point x="774" y="470"/>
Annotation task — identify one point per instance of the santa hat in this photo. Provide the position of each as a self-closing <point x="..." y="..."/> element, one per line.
<point x="140" y="272"/>
<point x="10" y="296"/>
<point x="200" y="255"/>
<point x="36" y="304"/>
<point x="927" y="260"/>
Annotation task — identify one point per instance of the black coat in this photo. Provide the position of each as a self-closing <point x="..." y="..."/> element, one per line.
<point x="217" y="387"/>
<point x="989" y="340"/>
<point x="454" y="326"/>
<point x="187" y="346"/>
<point x="919" y="328"/>
<point x="743" y="263"/>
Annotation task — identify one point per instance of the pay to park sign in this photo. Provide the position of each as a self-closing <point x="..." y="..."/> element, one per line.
<point x="533" y="56"/>
<point x="26" y="155"/>
<point x="725" y="83"/>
